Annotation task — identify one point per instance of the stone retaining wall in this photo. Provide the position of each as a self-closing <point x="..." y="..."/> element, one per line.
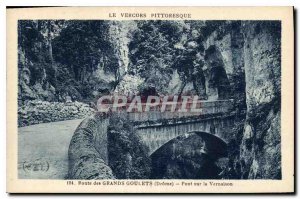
<point x="88" y="150"/>
<point x="35" y="112"/>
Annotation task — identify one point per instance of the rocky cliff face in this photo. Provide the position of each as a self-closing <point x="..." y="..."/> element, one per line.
<point x="119" y="33"/>
<point x="260" y="149"/>
<point x="32" y="87"/>
<point x="250" y="54"/>
<point x="118" y="81"/>
<point x="228" y="42"/>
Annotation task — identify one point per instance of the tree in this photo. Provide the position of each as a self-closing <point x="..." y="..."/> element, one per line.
<point x="152" y="52"/>
<point x="82" y="45"/>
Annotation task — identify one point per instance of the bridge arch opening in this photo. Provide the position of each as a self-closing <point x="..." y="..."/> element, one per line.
<point x="189" y="156"/>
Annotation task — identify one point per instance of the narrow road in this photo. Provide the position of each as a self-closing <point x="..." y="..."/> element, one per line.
<point x="43" y="149"/>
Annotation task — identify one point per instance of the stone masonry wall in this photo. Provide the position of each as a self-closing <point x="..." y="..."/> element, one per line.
<point x="35" y="112"/>
<point x="88" y="150"/>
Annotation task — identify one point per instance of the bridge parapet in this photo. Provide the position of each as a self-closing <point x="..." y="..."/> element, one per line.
<point x="156" y="135"/>
<point x="156" y="128"/>
<point x="206" y="108"/>
<point x="89" y="142"/>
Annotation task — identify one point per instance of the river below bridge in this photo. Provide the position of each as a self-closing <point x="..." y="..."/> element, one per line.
<point x="190" y="156"/>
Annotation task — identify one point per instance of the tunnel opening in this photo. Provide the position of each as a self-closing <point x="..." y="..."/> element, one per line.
<point x="195" y="155"/>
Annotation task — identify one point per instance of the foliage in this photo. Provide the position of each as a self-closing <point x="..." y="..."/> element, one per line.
<point x="66" y="56"/>
<point x="82" y="45"/>
<point x="158" y="48"/>
<point x="128" y="157"/>
<point x="152" y="51"/>
<point x="63" y="55"/>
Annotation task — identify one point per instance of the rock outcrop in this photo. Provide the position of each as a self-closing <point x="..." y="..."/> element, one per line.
<point x="225" y="47"/>
<point x="40" y="89"/>
<point x="261" y="148"/>
<point x="250" y="54"/>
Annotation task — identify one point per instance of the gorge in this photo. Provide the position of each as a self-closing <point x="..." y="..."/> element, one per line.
<point x="236" y="62"/>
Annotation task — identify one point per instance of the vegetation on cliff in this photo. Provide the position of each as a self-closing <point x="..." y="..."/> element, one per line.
<point x="128" y="156"/>
<point x="60" y="58"/>
<point x="237" y="60"/>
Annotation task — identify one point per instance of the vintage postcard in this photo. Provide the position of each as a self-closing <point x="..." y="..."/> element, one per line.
<point x="150" y="100"/>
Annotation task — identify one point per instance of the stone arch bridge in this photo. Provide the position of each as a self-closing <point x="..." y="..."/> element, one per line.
<point x="156" y="128"/>
<point x="89" y="142"/>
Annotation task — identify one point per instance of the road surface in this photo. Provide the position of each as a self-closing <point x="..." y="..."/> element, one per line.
<point x="43" y="149"/>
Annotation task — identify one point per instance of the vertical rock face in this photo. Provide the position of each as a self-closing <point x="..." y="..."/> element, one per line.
<point x="250" y="54"/>
<point x="31" y="86"/>
<point x="228" y="55"/>
<point x="225" y="48"/>
<point x="262" y="62"/>
<point x="217" y="79"/>
<point x="260" y="148"/>
<point x="119" y="34"/>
